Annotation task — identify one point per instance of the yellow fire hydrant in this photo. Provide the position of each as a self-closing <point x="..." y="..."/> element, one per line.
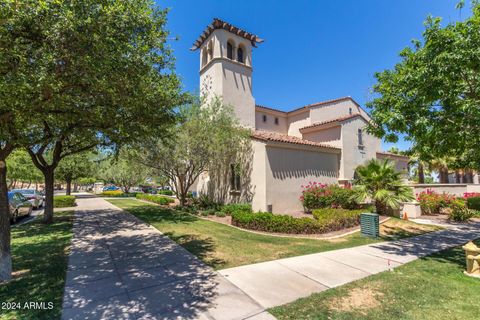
<point x="472" y="255"/>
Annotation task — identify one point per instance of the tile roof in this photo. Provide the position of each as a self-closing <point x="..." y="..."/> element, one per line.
<point x="318" y="124"/>
<point x="316" y="104"/>
<point x="393" y="155"/>
<point x="278" y="137"/>
<point x="220" y="24"/>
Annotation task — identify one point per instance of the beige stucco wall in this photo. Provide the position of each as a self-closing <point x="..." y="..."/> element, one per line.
<point x="296" y="122"/>
<point x="332" y="111"/>
<point x="288" y="168"/>
<point x="227" y="78"/>
<point x="354" y="155"/>
<point x="331" y="136"/>
<point x="269" y="125"/>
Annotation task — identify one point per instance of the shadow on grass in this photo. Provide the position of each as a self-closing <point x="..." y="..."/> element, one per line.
<point x="157" y="214"/>
<point x="203" y="248"/>
<point x="39" y="254"/>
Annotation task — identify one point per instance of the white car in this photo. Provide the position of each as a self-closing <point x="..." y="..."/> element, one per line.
<point x="36" y="198"/>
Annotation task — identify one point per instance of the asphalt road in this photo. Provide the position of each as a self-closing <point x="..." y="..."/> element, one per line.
<point x="28" y="219"/>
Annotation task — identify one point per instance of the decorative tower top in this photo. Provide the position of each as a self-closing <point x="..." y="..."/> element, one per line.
<point x="226" y="67"/>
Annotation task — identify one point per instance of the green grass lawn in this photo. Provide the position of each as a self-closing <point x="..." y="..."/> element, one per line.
<point x="430" y="288"/>
<point x="222" y="246"/>
<point x="39" y="255"/>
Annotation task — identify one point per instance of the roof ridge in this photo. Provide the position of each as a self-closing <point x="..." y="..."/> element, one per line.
<point x="313" y="104"/>
<point x="333" y="120"/>
<point x="222" y="24"/>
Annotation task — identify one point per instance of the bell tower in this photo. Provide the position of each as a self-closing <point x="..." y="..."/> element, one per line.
<point x="226" y="67"/>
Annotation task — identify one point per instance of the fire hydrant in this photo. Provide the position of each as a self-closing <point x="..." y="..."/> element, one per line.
<point x="472" y="255"/>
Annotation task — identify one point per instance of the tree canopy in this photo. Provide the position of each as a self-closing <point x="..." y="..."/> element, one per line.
<point x="433" y="94"/>
<point x="207" y="138"/>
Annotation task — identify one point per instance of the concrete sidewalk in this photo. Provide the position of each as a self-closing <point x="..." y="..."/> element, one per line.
<point x="122" y="268"/>
<point x="281" y="281"/>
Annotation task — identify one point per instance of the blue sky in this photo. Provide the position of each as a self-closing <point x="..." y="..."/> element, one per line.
<point x="313" y="50"/>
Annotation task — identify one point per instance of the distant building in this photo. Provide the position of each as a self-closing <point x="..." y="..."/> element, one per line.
<point x="322" y="142"/>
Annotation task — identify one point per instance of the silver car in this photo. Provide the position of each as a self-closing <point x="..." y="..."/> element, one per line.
<point x="19" y="206"/>
<point x="35" y="197"/>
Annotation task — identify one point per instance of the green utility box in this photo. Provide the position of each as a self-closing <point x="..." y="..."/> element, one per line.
<point x="369" y="224"/>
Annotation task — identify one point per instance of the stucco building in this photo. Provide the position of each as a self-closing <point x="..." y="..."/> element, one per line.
<point x="322" y="142"/>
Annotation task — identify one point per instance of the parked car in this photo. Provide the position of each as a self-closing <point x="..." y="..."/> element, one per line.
<point x="35" y="197"/>
<point x="110" y="188"/>
<point x="19" y="206"/>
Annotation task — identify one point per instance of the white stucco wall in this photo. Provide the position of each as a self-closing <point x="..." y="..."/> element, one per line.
<point x="288" y="168"/>
<point x="354" y="155"/>
<point x="331" y="136"/>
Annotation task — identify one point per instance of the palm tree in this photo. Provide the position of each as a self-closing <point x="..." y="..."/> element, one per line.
<point x="380" y="182"/>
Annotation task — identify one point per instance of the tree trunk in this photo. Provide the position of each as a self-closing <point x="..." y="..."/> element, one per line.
<point x="29" y="184"/>
<point x="468" y="176"/>
<point x="443" y="173"/>
<point x="5" y="254"/>
<point x="69" y="187"/>
<point x="48" y="174"/>
<point x="12" y="184"/>
<point x="421" y="173"/>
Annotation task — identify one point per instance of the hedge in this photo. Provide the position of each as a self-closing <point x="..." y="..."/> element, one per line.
<point x="337" y="219"/>
<point x="473" y="203"/>
<point x="325" y="220"/>
<point x="165" y="192"/>
<point x="154" y="198"/>
<point x="229" y="209"/>
<point x="269" y="222"/>
<point x="63" y="201"/>
<point x="118" y="194"/>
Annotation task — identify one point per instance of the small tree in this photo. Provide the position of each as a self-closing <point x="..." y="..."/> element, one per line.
<point x="21" y="170"/>
<point x="74" y="167"/>
<point x="208" y="138"/>
<point x="124" y="170"/>
<point x="380" y="182"/>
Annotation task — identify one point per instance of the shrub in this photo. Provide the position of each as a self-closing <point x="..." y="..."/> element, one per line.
<point x="337" y="219"/>
<point x="166" y="192"/>
<point x="204" y="201"/>
<point x="317" y="195"/>
<point x="467" y="195"/>
<point x="269" y="222"/>
<point x="118" y="194"/>
<point x="154" y="198"/>
<point x="220" y="214"/>
<point x="473" y="203"/>
<point x="112" y="193"/>
<point x="326" y="220"/>
<point x="460" y="212"/>
<point x="63" y="201"/>
<point x="229" y="209"/>
<point x="432" y="202"/>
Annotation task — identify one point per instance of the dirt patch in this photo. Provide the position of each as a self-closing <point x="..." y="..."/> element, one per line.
<point x="358" y="299"/>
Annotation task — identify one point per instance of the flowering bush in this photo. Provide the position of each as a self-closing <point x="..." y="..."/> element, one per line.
<point x="318" y="195"/>
<point x="432" y="202"/>
<point x="459" y="211"/>
<point x="468" y="195"/>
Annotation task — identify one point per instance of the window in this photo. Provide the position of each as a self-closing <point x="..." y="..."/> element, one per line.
<point x="350" y="110"/>
<point x="276" y="121"/>
<point x="204" y="57"/>
<point x="264" y="117"/>
<point x="360" y="137"/>
<point x="229" y="50"/>
<point x="235" y="182"/>
<point x="240" y="55"/>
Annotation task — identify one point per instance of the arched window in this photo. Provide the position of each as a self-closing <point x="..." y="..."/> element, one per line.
<point x="240" y="55"/>
<point x="360" y="137"/>
<point x="204" y="57"/>
<point x="229" y="50"/>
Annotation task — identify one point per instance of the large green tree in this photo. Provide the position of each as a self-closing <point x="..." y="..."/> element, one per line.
<point x="21" y="170"/>
<point x="76" y="75"/>
<point x="433" y="94"/>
